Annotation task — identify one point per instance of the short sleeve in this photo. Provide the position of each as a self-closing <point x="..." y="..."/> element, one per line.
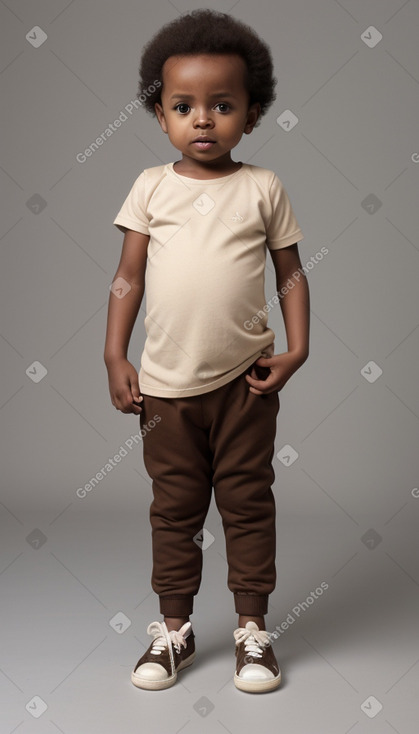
<point x="283" y="229"/>
<point x="132" y="214"/>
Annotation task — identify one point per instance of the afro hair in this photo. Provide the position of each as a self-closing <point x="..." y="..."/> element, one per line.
<point x="207" y="32"/>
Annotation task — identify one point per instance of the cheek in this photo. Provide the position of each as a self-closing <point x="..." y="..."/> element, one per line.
<point x="176" y="123"/>
<point x="234" y="125"/>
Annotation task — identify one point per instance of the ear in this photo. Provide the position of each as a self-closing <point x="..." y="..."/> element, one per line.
<point x="252" y="117"/>
<point x="160" y="116"/>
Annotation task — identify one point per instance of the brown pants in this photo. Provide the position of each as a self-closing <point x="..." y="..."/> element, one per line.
<point x="222" y="439"/>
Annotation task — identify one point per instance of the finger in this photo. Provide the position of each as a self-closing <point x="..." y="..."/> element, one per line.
<point x="254" y="391"/>
<point x="264" y="361"/>
<point x="130" y="409"/>
<point x="263" y="385"/>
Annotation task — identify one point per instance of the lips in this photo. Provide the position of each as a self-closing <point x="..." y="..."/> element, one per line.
<point x="203" y="143"/>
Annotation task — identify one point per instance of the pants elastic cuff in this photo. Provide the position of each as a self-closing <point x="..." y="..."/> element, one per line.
<point x="176" y="605"/>
<point x="252" y="605"/>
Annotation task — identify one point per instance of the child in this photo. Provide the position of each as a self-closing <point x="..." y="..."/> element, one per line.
<point x="196" y="234"/>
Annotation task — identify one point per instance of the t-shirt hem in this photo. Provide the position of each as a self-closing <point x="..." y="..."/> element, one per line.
<point x="291" y="239"/>
<point x="130" y="224"/>
<point x="159" y="392"/>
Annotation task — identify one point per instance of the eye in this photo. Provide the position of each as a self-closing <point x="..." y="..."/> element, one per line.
<point x="223" y="104"/>
<point x="181" y="104"/>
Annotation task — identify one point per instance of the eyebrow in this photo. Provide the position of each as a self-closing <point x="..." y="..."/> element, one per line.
<point x="191" y="96"/>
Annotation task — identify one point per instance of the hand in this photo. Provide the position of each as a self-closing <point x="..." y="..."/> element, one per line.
<point x="123" y="386"/>
<point x="281" y="367"/>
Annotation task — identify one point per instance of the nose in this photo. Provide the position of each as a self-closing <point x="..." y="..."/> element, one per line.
<point x="202" y="118"/>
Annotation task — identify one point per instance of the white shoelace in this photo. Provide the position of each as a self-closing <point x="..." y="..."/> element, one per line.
<point x="165" y="639"/>
<point x="255" y="640"/>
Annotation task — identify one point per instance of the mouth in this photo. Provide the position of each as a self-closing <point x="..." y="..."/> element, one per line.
<point x="203" y="143"/>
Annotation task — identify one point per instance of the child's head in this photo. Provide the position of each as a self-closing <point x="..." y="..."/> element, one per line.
<point x="196" y="56"/>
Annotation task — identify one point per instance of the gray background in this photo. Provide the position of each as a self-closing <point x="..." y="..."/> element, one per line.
<point x="347" y="508"/>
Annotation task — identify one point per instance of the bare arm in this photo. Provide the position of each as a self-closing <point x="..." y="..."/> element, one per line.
<point x="295" y="307"/>
<point x="122" y="314"/>
<point x="295" y="304"/>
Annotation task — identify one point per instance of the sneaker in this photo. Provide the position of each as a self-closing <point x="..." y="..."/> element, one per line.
<point x="256" y="667"/>
<point x="168" y="653"/>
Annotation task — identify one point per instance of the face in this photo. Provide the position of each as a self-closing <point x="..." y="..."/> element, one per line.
<point x="205" y="96"/>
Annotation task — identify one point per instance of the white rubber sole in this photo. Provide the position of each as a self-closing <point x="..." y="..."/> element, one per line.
<point x="256" y="686"/>
<point x="158" y="685"/>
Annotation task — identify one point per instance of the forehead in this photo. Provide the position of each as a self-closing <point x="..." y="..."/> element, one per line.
<point x="204" y="71"/>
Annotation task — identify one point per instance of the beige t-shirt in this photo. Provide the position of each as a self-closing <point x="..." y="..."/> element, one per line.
<point x="205" y="273"/>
